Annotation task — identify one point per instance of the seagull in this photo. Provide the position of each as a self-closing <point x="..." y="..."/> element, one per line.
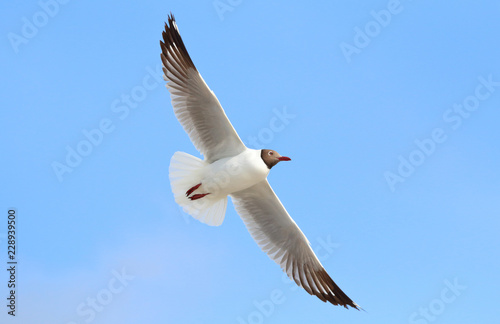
<point x="229" y="168"/>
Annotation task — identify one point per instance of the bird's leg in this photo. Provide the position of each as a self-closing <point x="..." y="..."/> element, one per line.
<point x="198" y="196"/>
<point x="190" y="191"/>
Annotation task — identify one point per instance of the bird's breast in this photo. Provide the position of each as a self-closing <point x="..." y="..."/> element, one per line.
<point x="232" y="174"/>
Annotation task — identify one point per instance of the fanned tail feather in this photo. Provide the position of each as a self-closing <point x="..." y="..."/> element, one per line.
<point x="186" y="171"/>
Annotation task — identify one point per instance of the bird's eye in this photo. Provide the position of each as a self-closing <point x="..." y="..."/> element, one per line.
<point x="270" y="152"/>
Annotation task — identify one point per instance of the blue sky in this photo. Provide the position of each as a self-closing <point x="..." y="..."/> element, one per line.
<point x="389" y="111"/>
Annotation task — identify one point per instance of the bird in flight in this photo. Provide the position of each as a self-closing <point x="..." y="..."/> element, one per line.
<point x="229" y="168"/>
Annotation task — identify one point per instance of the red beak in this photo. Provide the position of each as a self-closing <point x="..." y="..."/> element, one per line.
<point x="284" y="158"/>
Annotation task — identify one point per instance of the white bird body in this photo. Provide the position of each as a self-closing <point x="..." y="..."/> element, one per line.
<point x="218" y="179"/>
<point x="201" y="187"/>
<point x="232" y="174"/>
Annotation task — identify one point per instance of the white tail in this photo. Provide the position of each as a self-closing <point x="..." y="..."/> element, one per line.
<point x="186" y="171"/>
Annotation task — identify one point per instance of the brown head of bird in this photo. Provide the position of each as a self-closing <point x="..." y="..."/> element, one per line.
<point x="271" y="158"/>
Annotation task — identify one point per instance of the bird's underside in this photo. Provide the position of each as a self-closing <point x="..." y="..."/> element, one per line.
<point x="202" y="117"/>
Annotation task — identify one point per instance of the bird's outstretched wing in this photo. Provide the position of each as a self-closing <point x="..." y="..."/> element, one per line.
<point x="279" y="236"/>
<point x="195" y="105"/>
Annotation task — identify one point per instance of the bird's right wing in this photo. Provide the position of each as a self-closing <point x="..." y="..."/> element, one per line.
<point x="195" y="105"/>
<point x="279" y="236"/>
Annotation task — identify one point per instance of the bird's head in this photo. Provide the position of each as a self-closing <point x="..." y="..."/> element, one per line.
<point x="271" y="158"/>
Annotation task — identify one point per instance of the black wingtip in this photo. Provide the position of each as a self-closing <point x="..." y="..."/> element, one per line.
<point x="172" y="38"/>
<point x="170" y="24"/>
<point x="171" y="18"/>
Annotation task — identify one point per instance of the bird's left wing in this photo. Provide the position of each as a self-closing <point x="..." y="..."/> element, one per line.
<point x="195" y="105"/>
<point x="278" y="235"/>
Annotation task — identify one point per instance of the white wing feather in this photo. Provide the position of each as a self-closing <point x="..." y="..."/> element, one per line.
<point x="195" y="105"/>
<point x="279" y="236"/>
